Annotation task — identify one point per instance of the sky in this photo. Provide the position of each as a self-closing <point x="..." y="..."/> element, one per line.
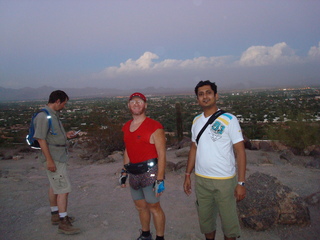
<point x="135" y="44"/>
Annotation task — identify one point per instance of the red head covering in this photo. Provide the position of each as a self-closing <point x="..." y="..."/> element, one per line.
<point x="137" y="94"/>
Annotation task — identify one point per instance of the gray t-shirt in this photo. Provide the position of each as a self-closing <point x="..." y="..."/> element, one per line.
<point x="56" y="137"/>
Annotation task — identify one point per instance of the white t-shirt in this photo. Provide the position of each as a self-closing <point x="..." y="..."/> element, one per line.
<point x="215" y="157"/>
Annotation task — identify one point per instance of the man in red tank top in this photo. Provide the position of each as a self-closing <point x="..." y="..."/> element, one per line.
<point x="145" y="145"/>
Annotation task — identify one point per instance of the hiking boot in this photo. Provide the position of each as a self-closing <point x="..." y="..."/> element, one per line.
<point x="55" y="219"/>
<point x="144" y="238"/>
<point x="66" y="227"/>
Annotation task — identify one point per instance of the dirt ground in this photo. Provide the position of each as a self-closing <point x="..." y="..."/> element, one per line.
<point x="104" y="211"/>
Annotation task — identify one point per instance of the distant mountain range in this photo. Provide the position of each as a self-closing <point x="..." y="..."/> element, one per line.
<point x="42" y="93"/>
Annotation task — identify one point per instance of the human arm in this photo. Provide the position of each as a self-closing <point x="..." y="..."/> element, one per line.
<point x="190" y="166"/>
<point x="124" y="174"/>
<point x="51" y="166"/>
<point x="159" y="139"/>
<point x="240" y="191"/>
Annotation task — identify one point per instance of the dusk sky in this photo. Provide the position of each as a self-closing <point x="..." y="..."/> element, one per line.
<point x="134" y="44"/>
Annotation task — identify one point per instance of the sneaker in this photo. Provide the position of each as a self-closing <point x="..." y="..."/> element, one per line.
<point x="144" y="238"/>
<point x="66" y="227"/>
<point x="55" y="219"/>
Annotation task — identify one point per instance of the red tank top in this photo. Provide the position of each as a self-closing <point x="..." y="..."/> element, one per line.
<point x="137" y="143"/>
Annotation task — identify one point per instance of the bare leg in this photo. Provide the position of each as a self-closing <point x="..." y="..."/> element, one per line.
<point x="144" y="214"/>
<point x="52" y="198"/>
<point x="226" y="238"/>
<point x="158" y="218"/>
<point x="210" y="235"/>
<point x="62" y="200"/>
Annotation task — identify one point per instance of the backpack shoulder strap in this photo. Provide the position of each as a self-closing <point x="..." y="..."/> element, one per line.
<point x="49" y="120"/>
<point x="210" y="120"/>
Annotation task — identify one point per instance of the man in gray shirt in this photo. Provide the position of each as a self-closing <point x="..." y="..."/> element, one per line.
<point x="53" y="143"/>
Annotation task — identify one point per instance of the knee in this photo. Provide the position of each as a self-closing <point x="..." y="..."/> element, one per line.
<point x="142" y="207"/>
<point x="155" y="207"/>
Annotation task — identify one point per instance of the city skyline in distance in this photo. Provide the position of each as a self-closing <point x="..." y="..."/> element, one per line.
<point x="42" y="93"/>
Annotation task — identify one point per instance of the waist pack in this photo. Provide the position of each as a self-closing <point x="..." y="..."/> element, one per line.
<point x="142" y="167"/>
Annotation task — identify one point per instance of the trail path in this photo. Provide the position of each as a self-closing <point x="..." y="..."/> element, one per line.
<point x="104" y="211"/>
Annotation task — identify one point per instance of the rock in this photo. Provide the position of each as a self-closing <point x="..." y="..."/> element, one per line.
<point x="247" y="143"/>
<point x="170" y="166"/>
<point x="315" y="151"/>
<point x="181" y="166"/>
<point x="313" y="199"/>
<point x="265" y="146"/>
<point x="315" y="163"/>
<point x="286" y="154"/>
<point x="183" y="152"/>
<point x="116" y="157"/>
<point x="17" y="157"/>
<point x="185" y="142"/>
<point x="268" y="202"/>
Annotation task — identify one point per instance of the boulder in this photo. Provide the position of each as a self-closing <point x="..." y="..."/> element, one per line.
<point x="314" y="150"/>
<point x="116" y="157"/>
<point x="170" y="166"/>
<point x="268" y="202"/>
<point x="183" y="152"/>
<point x="185" y="142"/>
<point x="315" y="163"/>
<point x="247" y="143"/>
<point x="286" y="154"/>
<point x="17" y="157"/>
<point x="181" y="166"/>
<point x="313" y="199"/>
<point x="265" y="146"/>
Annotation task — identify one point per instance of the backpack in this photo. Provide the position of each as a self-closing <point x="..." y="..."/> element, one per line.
<point x="32" y="142"/>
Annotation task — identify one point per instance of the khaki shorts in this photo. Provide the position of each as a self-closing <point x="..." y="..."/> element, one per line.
<point x="59" y="180"/>
<point x="216" y="197"/>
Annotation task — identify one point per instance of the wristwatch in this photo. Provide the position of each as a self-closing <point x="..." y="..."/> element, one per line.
<point x="241" y="183"/>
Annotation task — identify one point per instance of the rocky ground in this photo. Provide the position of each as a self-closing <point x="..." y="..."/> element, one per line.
<point x="105" y="211"/>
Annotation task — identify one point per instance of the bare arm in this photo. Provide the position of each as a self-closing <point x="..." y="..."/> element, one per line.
<point x="124" y="174"/>
<point x="51" y="166"/>
<point x="240" y="191"/>
<point x="189" y="169"/>
<point x="159" y="139"/>
<point x="125" y="157"/>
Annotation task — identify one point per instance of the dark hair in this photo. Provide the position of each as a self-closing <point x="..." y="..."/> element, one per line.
<point x="58" y="95"/>
<point x="207" y="82"/>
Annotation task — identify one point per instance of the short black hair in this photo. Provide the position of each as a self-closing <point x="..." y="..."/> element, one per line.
<point x="206" y="82"/>
<point x="58" y="95"/>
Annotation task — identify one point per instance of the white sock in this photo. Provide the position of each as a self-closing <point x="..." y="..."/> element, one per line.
<point x="54" y="208"/>
<point x="63" y="214"/>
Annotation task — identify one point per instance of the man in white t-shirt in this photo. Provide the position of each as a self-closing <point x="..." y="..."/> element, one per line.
<point x="219" y="181"/>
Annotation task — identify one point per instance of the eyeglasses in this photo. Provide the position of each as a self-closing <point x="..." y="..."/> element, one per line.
<point x="136" y="101"/>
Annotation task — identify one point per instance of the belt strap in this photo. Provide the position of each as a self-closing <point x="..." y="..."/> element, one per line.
<point x="58" y="145"/>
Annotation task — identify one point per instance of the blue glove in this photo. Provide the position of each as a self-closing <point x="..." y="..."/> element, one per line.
<point x="158" y="186"/>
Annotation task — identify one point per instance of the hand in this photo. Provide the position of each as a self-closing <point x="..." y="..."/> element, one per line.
<point x="123" y="178"/>
<point x="72" y="134"/>
<point x="240" y="192"/>
<point x="51" y="166"/>
<point x="187" y="185"/>
<point x="158" y="187"/>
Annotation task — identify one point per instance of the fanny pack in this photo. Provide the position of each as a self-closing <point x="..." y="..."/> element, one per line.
<point x="142" y="167"/>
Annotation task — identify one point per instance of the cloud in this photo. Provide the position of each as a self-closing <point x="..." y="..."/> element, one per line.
<point x="314" y="52"/>
<point x="146" y="64"/>
<point x="258" y="66"/>
<point x="280" y="53"/>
